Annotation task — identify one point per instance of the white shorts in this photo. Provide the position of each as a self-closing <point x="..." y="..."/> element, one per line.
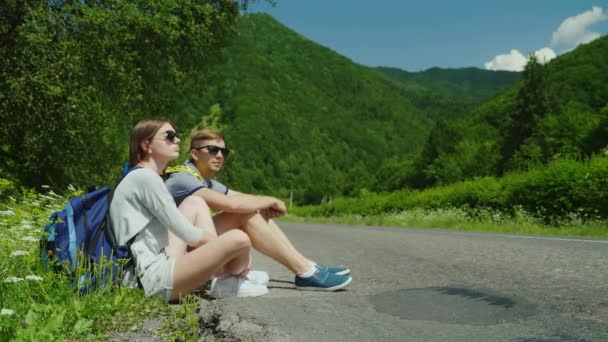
<point x="157" y="278"/>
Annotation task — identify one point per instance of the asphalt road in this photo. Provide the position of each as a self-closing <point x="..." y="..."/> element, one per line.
<point x="428" y="285"/>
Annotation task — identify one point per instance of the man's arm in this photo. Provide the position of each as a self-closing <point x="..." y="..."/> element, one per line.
<point x="236" y="202"/>
<point x="234" y="192"/>
<point x="267" y="213"/>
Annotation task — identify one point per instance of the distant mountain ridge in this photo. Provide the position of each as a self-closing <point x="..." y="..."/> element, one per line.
<point x="303" y="119"/>
<point x="470" y="82"/>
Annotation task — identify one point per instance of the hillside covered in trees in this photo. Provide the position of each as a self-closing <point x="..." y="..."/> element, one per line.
<point x="300" y="118"/>
<point x="307" y="120"/>
<point x="558" y="110"/>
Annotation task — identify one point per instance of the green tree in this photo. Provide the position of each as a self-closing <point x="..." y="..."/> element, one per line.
<point x="441" y="142"/>
<point x="532" y="104"/>
<point x="597" y="140"/>
<point x="560" y="135"/>
<point x="76" y="75"/>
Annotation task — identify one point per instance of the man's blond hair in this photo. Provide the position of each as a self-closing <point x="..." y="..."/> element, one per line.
<point x="204" y="134"/>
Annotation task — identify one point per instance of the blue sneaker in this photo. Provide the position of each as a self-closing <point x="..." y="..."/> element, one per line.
<point x="339" y="270"/>
<point x="322" y="280"/>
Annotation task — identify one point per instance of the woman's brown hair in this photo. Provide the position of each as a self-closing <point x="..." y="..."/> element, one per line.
<point x="143" y="130"/>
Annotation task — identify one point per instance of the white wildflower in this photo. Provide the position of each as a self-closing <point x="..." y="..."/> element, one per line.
<point x="29" y="238"/>
<point x="71" y="187"/>
<point x="45" y="186"/>
<point x="6" y="312"/>
<point x="19" y="253"/>
<point x="7" y="212"/>
<point x="52" y="193"/>
<point x="33" y="277"/>
<point x="46" y="197"/>
<point x="13" y="280"/>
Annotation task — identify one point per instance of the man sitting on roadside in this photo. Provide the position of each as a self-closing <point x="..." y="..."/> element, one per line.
<point x="250" y="213"/>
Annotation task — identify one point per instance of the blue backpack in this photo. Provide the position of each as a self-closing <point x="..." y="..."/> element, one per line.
<point x="80" y="240"/>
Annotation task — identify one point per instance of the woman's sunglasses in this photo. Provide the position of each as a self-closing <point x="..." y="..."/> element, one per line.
<point x="171" y="135"/>
<point x="213" y="150"/>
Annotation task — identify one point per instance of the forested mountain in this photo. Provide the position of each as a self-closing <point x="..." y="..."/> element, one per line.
<point x="302" y="119"/>
<point x="557" y="110"/>
<point x="307" y="120"/>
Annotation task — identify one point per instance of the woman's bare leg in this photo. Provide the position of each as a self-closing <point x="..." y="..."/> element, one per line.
<point x="196" y="267"/>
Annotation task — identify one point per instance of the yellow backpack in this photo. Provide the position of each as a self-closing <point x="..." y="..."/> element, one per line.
<point x="184" y="168"/>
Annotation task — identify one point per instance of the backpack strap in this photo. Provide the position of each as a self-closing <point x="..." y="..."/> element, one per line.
<point x="184" y="168"/>
<point x="107" y="228"/>
<point x="89" y="245"/>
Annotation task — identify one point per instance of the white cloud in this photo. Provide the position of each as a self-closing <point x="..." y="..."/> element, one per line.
<point x="574" y="30"/>
<point x="514" y="61"/>
<point x="545" y="54"/>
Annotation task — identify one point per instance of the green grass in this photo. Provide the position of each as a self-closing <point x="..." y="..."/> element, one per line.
<point x="480" y="221"/>
<point x="38" y="305"/>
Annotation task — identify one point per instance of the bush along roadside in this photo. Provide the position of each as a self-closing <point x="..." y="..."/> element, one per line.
<point x="36" y="304"/>
<point x="566" y="192"/>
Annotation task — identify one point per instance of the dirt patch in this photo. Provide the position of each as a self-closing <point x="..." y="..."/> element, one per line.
<point x="148" y="330"/>
<point x="218" y="325"/>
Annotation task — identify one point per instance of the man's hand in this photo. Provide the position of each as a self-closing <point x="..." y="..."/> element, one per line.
<point x="269" y="213"/>
<point x="276" y="209"/>
<point x="279" y="206"/>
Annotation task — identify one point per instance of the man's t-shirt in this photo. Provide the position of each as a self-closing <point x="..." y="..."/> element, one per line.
<point x="184" y="184"/>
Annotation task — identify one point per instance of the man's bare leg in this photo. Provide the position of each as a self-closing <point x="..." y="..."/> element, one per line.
<point x="266" y="237"/>
<point x="195" y="209"/>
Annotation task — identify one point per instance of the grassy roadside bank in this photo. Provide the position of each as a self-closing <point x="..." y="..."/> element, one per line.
<point x="36" y="304"/>
<point x="460" y="219"/>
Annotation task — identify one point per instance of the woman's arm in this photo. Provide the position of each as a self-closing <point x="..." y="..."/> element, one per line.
<point x="156" y="198"/>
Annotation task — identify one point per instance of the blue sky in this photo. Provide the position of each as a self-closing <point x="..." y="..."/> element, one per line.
<point x="417" y="35"/>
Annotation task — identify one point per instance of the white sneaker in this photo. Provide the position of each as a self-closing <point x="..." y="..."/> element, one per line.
<point x="232" y="286"/>
<point x="258" y="277"/>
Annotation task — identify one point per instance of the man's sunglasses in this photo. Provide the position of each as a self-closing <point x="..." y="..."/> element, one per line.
<point x="213" y="150"/>
<point x="171" y="135"/>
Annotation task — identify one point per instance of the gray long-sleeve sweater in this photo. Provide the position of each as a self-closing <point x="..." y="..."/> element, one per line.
<point x="142" y="205"/>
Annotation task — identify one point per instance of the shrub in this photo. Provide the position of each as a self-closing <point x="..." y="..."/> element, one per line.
<point x="562" y="188"/>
